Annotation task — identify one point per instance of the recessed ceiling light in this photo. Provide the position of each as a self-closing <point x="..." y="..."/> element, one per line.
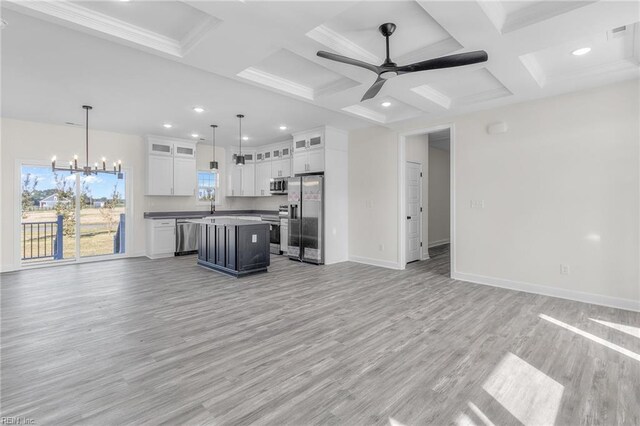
<point x="194" y="135"/>
<point x="245" y="138"/>
<point x="167" y="125"/>
<point x="198" y="109"/>
<point x="386" y="104"/>
<point x="283" y="127"/>
<point x="581" y="51"/>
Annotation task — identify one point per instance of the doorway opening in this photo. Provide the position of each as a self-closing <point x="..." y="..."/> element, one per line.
<point x="426" y="201"/>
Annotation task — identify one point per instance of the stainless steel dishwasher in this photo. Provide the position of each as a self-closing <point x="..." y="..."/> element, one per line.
<point x="186" y="237"/>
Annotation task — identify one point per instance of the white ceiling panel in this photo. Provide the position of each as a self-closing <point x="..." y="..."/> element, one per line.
<point x="611" y="52"/>
<point x="358" y="25"/>
<point x="143" y="63"/>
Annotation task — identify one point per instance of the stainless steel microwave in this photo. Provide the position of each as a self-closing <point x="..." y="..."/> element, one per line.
<point x="278" y="186"/>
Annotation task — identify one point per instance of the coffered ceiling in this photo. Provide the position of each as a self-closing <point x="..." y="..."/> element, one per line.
<point x="149" y="62"/>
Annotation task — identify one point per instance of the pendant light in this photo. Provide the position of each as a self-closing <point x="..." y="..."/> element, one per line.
<point x="240" y="157"/>
<point x="213" y="164"/>
<point x="87" y="170"/>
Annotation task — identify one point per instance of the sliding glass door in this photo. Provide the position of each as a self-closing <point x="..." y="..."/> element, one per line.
<point x="65" y="217"/>
<point x="102" y="215"/>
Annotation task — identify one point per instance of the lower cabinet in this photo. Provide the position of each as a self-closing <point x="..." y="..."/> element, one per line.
<point x="161" y="238"/>
<point x="234" y="249"/>
<point x="230" y="246"/>
<point x="219" y="245"/>
<point x="203" y="240"/>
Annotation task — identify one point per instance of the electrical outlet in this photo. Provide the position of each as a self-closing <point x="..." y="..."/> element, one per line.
<point x="381" y="247"/>
<point x="564" y="269"/>
<point x="477" y="204"/>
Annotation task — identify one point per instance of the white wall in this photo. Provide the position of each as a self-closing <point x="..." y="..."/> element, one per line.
<point x="373" y="198"/>
<point x="561" y="186"/>
<point x="438" y="195"/>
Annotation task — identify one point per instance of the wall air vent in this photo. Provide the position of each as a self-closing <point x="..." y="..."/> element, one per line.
<point x="617" y="32"/>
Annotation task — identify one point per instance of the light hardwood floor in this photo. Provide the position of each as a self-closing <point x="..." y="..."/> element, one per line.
<point x="164" y="341"/>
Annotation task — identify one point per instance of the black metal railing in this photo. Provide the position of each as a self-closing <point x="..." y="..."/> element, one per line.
<point x="42" y="239"/>
<point x="118" y="238"/>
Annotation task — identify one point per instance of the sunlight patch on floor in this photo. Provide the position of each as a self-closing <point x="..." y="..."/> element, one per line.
<point x="478" y="412"/>
<point x="629" y="329"/>
<point x="526" y="392"/>
<point x="592" y="337"/>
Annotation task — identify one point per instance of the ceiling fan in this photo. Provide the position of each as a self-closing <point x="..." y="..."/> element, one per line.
<point x="390" y="69"/>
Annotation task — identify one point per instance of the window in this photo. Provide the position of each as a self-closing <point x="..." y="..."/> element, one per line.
<point x="207" y="185"/>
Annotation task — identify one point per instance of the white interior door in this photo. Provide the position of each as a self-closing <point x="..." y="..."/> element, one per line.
<point x="414" y="201"/>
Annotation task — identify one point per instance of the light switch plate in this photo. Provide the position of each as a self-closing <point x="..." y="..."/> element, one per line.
<point x="254" y="238"/>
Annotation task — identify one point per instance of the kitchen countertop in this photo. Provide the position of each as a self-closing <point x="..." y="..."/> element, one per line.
<point x="226" y="221"/>
<point x="206" y="213"/>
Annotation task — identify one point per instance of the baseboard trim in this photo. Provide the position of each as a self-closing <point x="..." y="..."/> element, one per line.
<point x="438" y="243"/>
<point x="375" y="262"/>
<point x="578" y="296"/>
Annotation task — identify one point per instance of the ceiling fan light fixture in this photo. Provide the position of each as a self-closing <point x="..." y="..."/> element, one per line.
<point x="213" y="164"/>
<point x="240" y="157"/>
<point x="581" y="51"/>
<point x="389" y="69"/>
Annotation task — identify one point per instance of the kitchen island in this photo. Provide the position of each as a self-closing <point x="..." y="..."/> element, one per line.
<point x="233" y="246"/>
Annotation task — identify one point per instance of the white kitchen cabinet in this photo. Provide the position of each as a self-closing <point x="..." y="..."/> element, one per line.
<point x="241" y="180"/>
<point x="171" y="167"/>
<point x="300" y="162"/>
<point x="184" y="176"/>
<point x="159" y="175"/>
<point x="248" y="180"/>
<point x="315" y="161"/>
<point x="308" y="141"/>
<point x="281" y="168"/>
<point x="161" y="238"/>
<point x="263" y="178"/>
<point x="311" y="161"/>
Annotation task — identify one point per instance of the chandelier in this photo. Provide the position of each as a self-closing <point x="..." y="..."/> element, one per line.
<point x="87" y="169"/>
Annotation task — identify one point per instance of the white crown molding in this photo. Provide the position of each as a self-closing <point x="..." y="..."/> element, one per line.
<point x="531" y="64"/>
<point x="88" y="19"/>
<point x="433" y="95"/>
<point x="99" y="22"/>
<point x="335" y="41"/>
<point x="495" y="12"/>
<point x="279" y="83"/>
<point x="539" y="11"/>
<point x="366" y="113"/>
<point x="197" y="33"/>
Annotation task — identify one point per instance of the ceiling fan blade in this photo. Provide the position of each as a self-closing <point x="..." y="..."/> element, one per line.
<point x="349" y="61"/>
<point x="374" y="89"/>
<point x="450" y="61"/>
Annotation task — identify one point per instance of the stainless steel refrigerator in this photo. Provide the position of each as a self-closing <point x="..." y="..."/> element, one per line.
<point x="306" y="218"/>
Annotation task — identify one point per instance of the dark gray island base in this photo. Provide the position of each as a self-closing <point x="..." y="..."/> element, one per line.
<point x="233" y="246"/>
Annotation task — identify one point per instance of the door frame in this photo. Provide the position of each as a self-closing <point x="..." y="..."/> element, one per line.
<point x="420" y="212"/>
<point x="17" y="219"/>
<point x="402" y="154"/>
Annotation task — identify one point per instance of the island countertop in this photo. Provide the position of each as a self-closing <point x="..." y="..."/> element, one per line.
<point x="236" y="247"/>
<point x="225" y="221"/>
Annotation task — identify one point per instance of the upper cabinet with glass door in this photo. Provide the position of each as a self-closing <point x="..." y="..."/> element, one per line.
<point x="308" y="140"/>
